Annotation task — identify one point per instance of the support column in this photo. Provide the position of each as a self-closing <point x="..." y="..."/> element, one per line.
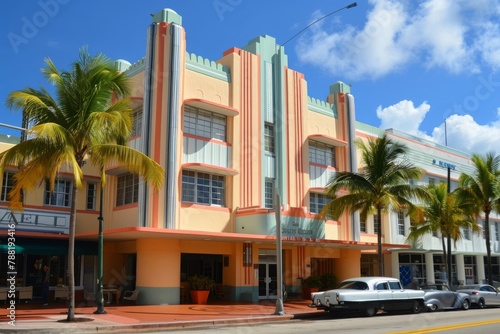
<point x="481" y="275"/>
<point x="460" y="267"/>
<point x="429" y="268"/>
<point x="158" y="271"/>
<point x="395" y="264"/>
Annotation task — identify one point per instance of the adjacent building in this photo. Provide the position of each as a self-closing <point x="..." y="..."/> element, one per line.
<point x="232" y="134"/>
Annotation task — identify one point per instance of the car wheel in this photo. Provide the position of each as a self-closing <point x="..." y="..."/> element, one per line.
<point x="416" y="307"/>
<point x="480" y="303"/>
<point x="465" y="304"/>
<point x="433" y="308"/>
<point x="370" y="311"/>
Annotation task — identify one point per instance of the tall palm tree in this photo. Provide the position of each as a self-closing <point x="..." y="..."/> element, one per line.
<point x="484" y="187"/>
<point x="382" y="183"/>
<point x="445" y="213"/>
<point x="85" y="121"/>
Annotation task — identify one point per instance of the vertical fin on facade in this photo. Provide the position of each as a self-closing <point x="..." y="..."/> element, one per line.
<point x="167" y="15"/>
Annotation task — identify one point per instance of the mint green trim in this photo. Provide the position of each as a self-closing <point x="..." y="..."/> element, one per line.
<point x="9" y="139"/>
<point x="136" y="67"/>
<point x="340" y="87"/>
<point x="369" y="129"/>
<point x="321" y="107"/>
<point x="291" y="227"/>
<point x="167" y="15"/>
<point x="205" y="66"/>
<point x="158" y="296"/>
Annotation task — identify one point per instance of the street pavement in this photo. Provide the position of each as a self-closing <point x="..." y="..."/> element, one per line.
<point x="36" y="318"/>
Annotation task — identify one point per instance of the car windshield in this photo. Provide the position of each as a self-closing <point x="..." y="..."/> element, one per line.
<point x="356" y="285"/>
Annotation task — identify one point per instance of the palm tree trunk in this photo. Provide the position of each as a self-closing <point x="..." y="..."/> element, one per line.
<point x="488" y="246"/>
<point x="445" y="254"/>
<point x="71" y="257"/>
<point x="379" y="243"/>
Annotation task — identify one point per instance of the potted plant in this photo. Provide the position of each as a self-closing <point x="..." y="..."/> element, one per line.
<point x="309" y="285"/>
<point x="200" y="287"/>
<point x="328" y="282"/>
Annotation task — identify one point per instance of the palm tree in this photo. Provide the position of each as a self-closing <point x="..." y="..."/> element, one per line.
<point x="445" y="213"/>
<point x="84" y="121"/>
<point x="382" y="183"/>
<point x="484" y="187"/>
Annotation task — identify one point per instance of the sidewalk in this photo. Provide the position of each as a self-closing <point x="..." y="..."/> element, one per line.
<point x="35" y="318"/>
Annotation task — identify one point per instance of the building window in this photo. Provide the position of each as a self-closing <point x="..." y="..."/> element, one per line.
<point x="269" y="138"/>
<point x="127" y="190"/>
<point x="466" y="233"/>
<point x="204" y="123"/>
<point x="7" y="185"/>
<point x="91" y="196"/>
<point x="375" y="223"/>
<point x="61" y="194"/>
<point x="269" y="194"/>
<point x="137" y="122"/>
<point x="401" y="223"/>
<point x="321" y="154"/>
<point x="497" y="226"/>
<point x="484" y="229"/>
<point x="317" y="202"/>
<point x="432" y="181"/>
<point x="362" y="227"/>
<point x="203" y="188"/>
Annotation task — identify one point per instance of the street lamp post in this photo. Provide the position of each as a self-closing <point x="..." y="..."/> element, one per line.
<point x="448" y="241"/>
<point x="354" y="4"/>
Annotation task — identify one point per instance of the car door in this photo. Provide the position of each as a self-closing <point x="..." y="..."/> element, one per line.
<point x="384" y="295"/>
<point x="399" y="295"/>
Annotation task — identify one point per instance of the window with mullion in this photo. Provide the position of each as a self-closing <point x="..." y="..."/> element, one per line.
<point x="401" y="223"/>
<point x="137" y="122"/>
<point x="91" y="196"/>
<point x="204" y="123"/>
<point x="7" y="185"/>
<point x="317" y="202"/>
<point x="61" y="194"/>
<point x="269" y="194"/>
<point x="376" y="219"/>
<point x="203" y="188"/>
<point x="321" y="154"/>
<point x="127" y="190"/>
<point x="269" y="138"/>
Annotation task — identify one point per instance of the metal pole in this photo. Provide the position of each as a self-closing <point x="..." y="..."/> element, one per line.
<point x="448" y="241"/>
<point x="279" y="252"/>
<point x="100" y="296"/>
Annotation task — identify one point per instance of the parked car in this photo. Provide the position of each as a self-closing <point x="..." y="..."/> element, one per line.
<point x="440" y="297"/>
<point x="481" y="295"/>
<point x="368" y="295"/>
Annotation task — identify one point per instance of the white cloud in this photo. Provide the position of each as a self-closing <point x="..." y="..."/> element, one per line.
<point x="405" y="117"/>
<point x="397" y="33"/>
<point x="465" y="134"/>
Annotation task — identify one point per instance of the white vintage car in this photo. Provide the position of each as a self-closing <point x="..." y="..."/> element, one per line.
<point x="368" y="295"/>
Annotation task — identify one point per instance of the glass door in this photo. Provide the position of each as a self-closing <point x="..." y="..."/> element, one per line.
<point x="267" y="280"/>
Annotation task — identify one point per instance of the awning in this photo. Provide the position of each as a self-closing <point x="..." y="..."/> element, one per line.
<point x="47" y="246"/>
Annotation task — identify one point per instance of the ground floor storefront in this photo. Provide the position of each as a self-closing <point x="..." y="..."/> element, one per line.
<point x="244" y="268"/>
<point x="430" y="267"/>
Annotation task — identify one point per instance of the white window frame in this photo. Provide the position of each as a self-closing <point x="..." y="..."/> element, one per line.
<point x="90" y="199"/>
<point x="269" y="194"/>
<point x="401" y="223"/>
<point x="322" y="154"/>
<point x="269" y="146"/>
<point x="317" y="202"/>
<point x="375" y="225"/>
<point x="137" y="122"/>
<point x="204" y="123"/>
<point x="60" y="196"/>
<point x="127" y="189"/>
<point x="7" y="185"/>
<point x="203" y="188"/>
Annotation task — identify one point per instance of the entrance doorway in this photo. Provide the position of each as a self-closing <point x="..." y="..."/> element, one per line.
<point x="268" y="273"/>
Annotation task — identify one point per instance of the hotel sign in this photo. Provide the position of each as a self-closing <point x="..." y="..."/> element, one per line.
<point x="444" y="164"/>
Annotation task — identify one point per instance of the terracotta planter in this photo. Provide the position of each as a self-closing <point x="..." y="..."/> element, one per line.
<point x="199" y="296"/>
<point x="306" y="292"/>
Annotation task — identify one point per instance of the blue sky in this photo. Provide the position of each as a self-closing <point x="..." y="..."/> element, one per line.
<point x="411" y="64"/>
